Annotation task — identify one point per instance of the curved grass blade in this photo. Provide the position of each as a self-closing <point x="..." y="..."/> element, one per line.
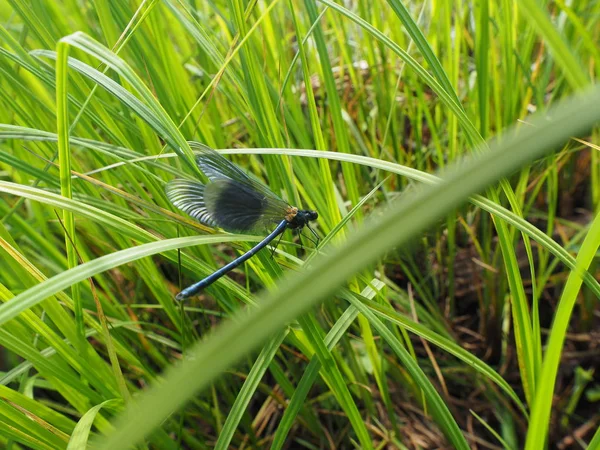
<point x="435" y="404"/>
<point x="61" y="422"/>
<point x="300" y="291"/>
<point x="421" y="42"/>
<point x="149" y="109"/>
<point x="312" y="371"/>
<point x="122" y="226"/>
<point x="80" y="435"/>
<point x="248" y="389"/>
<point x="484" y="203"/>
<point x="43" y="290"/>
<point x="334" y="379"/>
<point x="543" y="401"/>
<point x="441" y="342"/>
<point x="528" y="353"/>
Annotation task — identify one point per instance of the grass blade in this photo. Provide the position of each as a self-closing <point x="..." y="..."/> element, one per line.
<point x="543" y="401"/>
<point x="297" y="293"/>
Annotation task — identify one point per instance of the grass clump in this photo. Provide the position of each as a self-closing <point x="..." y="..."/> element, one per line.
<point x="450" y="151"/>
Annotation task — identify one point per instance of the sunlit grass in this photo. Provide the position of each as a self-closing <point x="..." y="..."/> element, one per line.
<point x="377" y="116"/>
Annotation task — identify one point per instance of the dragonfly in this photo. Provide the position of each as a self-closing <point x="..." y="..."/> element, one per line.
<point x="237" y="203"/>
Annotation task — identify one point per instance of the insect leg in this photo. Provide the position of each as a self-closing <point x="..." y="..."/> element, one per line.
<point x="276" y="245"/>
<point x="299" y="231"/>
<point x="314" y="234"/>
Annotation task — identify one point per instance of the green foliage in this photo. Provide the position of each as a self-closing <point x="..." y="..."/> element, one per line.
<point x="346" y="109"/>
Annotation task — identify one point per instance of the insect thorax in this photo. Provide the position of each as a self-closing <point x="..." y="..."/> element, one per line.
<point x="291" y="212"/>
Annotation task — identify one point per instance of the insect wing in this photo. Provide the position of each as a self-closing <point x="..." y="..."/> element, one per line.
<point x="227" y="204"/>
<point x="236" y="207"/>
<point x="216" y="167"/>
<point x="188" y="196"/>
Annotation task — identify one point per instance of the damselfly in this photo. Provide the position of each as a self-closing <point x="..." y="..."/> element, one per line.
<point x="235" y="202"/>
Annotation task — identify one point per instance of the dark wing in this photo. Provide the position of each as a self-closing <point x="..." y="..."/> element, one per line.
<point x="216" y="167"/>
<point x="225" y="203"/>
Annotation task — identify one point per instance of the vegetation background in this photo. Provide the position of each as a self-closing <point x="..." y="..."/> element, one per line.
<point x="445" y="319"/>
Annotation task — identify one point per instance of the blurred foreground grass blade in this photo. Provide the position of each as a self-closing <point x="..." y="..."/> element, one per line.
<point x="496" y="210"/>
<point x="542" y="404"/>
<point x="312" y="371"/>
<point x="528" y="354"/>
<point x="248" y="390"/>
<point x="297" y="292"/>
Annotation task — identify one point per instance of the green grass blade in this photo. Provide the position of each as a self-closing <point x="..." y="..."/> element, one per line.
<point x="445" y="344"/>
<point x="158" y="115"/>
<point x="297" y="293"/>
<point x="484" y="203"/>
<point x="66" y="190"/>
<point x="335" y="108"/>
<point x="543" y="401"/>
<point x="435" y="404"/>
<point x="312" y="371"/>
<point x="335" y="380"/>
<point x="421" y="42"/>
<point x="41" y="291"/>
<point x="568" y="62"/>
<point x="447" y="97"/>
<point x="248" y="389"/>
<point x="80" y="435"/>
<point x="595" y="442"/>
